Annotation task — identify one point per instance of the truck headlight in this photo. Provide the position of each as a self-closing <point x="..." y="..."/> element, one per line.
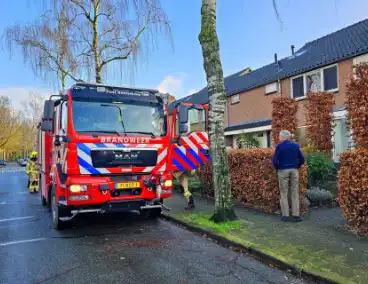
<point x="75" y="188"/>
<point x="166" y="182"/>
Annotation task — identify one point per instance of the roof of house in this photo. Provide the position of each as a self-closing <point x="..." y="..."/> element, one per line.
<point x="249" y="124"/>
<point x="340" y="45"/>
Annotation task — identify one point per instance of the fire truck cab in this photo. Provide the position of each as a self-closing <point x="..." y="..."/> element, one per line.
<point x="190" y="144"/>
<point x="104" y="149"/>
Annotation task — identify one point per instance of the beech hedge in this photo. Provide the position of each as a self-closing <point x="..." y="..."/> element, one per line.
<point x="353" y="174"/>
<point x="357" y="105"/>
<point x="353" y="188"/>
<point x="319" y="117"/>
<point x="283" y="116"/>
<point x="253" y="179"/>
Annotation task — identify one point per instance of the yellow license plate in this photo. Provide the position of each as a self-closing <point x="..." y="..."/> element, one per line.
<point x="125" y="185"/>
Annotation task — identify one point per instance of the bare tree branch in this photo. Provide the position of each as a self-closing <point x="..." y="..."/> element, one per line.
<point x="111" y="35"/>
<point x="275" y="8"/>
<point x="48" y="45"/>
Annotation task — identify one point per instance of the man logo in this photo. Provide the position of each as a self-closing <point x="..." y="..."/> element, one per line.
<point x="118" y="156"/>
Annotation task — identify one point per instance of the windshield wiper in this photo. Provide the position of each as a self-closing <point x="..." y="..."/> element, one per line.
<point x="142" y="132"/>
<point x="100" y="131"/>
<point x="121" y="114"/>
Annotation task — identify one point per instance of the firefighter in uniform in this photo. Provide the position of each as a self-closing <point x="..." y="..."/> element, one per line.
<point x="182" y="177"/>
<point x="32" y="170"/>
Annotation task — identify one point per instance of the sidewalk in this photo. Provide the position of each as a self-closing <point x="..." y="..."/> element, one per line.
<point x="320" y="245"/>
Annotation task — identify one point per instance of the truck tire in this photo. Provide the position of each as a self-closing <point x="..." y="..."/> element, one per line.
<point x="43" y="199"/>
<point x="155" y="213"/>
<point x="150" y="213"/>
<point x="145" y="213"/>
<point x="56" y="212"/>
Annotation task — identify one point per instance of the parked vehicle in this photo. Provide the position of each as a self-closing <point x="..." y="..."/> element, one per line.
<point x="2" y="163"/>
<point x="23" y="163"/>
<point x="110" y="152"/>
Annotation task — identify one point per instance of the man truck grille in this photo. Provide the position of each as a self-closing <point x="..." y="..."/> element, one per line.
<point x="108" y="158"/>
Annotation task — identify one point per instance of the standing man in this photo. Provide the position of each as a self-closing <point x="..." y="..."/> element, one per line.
<point x="287" y="160"/>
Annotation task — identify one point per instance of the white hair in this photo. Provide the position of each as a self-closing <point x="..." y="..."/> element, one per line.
<point x="285" y="134"/>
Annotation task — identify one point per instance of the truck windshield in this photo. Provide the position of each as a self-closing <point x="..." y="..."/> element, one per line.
<point x="118" y="118"/>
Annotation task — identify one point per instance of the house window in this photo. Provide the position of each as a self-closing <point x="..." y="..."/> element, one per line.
<point x="235" y="99"/>
<point x="324" y="79"/>
<point x="197" y="120"/>
<point x="196" y="116"/>
<point x="298" y="87"/>
<point x="330" y="78"/>
<point x="271" y="88"/>
<point x="360" y="59"/>
<point x="313" y="81"/>
<point x="193" y="116"/>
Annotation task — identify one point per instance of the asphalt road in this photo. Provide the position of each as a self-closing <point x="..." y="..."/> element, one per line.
<point x="118" y="248"/>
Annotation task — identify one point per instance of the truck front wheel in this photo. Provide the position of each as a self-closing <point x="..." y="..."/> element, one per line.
<point x="43" y="199"/>
<point x="155" y="213"/>
<point x="150" y="213"/>
<point x="56" y="212"/>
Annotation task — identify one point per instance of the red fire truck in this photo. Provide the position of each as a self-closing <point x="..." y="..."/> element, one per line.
<point x="107" y="149"/>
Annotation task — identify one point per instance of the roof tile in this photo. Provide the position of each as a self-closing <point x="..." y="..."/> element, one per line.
<point x="329" y="49"/>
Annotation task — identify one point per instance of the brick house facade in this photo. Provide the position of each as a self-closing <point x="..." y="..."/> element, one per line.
<point x="325" y="64"/>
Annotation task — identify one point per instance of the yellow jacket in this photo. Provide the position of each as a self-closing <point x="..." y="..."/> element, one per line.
<point x="32" y="167"/>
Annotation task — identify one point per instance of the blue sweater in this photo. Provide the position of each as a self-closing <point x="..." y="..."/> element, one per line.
<point x="287" y="156"/>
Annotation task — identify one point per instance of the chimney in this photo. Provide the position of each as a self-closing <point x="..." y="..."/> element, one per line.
<point x="292" y="50"/>
<point x="276" y="58"/>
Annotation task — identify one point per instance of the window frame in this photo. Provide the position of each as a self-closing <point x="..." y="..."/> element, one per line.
<point x="235" y="102"/>
<point x="320" y="70"/>
<point x="311" y="73"/>
<point x="275" y="90"/>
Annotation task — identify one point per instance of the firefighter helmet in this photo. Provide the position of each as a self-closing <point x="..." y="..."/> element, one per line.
<point x="34" y="154"/>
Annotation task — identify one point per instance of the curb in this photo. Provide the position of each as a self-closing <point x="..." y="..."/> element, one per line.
<point x="261" y="256"/>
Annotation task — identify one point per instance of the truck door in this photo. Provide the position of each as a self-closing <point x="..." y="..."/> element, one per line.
<point x="190" y="149"/>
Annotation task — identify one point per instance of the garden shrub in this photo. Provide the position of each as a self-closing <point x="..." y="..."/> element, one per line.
<point x="321" y="169"/>
<point x="253" y="179"/>
<point x="308" y="150"/>
<point x="318" y="196"/>
<point x="353" y="188"/>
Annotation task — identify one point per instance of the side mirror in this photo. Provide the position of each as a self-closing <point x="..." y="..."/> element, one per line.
<point x="66" y="139"/>
<point x="48" y="110"/>
<point x="183" y="114"/>
<point x="46" y="126"/>
<point x="183" y="128"/>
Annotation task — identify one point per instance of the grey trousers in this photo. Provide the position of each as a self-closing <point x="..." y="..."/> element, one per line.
<point x="289" y="182"/>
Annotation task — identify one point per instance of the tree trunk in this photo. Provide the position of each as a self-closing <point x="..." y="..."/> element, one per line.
<point x="95" y="44"/>
<point x="224" y="210"/>
<point x="63" y="79"/>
